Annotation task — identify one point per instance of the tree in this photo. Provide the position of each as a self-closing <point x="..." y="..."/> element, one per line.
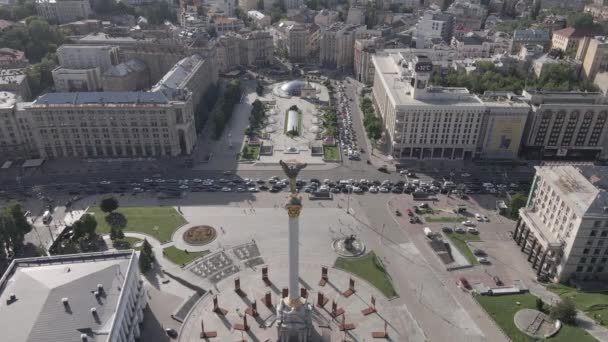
<point x="517" y="201"/>
<point x="581" y="20"/>
<point x="565" y="311"/>
<point x="260" y="5"/>
<point x="85" y="226"/>
<point x="540" y="305"/>
<point x="39" y="75"/>
<point x="117" y="220"/>
<point x="146" y="257"/>
<point x="116" y="234"/>
<point x="108" y="204"/>
<point x="259" y="89"/>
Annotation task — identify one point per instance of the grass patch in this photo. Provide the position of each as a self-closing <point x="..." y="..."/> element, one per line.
<point x="144" y="220"/>
<point x="443" y="219"/>
<point x="369" y="268"/>
<point x="250" y="152"/>
<point x="181" y="257"/>
<point x="460" y="241"/>
<point x="595" y="305"/>
<point x="503" y="308"/>
<point x="331" y="153"/>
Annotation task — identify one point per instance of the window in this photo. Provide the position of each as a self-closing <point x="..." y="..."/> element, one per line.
<point x="579" y="269"/>
<point x="586" y="251"/>
<point x="596" y="251"/>
<point x="593" y="232"/>
<point x="589" y="268"/>
<point x="593" y="260"/>
<point x="603" y="260"/>
<point x="600" y="269"/>
<point x="604" y="233"/>
<point x="583" y="260"/>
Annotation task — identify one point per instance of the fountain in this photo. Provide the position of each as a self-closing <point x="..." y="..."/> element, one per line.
<point x="349" y="246"/>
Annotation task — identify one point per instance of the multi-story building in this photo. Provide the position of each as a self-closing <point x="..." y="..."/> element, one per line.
<point x="297" y="36"/>
<point x="434" y="25"/>
<point x="12" y="59"/>
<point x="83" y="27"/>
<point x="193" y="73"/>
<point x="564" y="226"/>
<point x="63" y="11"/>
<point x="336" y="45"/>
<point x="15" y="81"/>
<point x="568" y="38"/>
<point x="78" y="297"/>
<point x="224" y="24"/>
<point x="113" y="124"/>
<point x="254" y="48"/>
<point x="425" y="122"/>
<point x="293" y="4"/>
<point x="565" y="125"/>
<point x="593" y="53"/>
<point x="260" y="20"/>
<point x="131" y="75"/>
<point x="67" y="80"/>
<point x="326" y="18"/>
<point x="528" y="37"/>
<point x="365" y="46"/>
<point x="87" y="56"/>
<point x="471" y="45"/>
<point x="468" y="16"/>
<point x="248" y="5"/>
<point x="16" y="138"/>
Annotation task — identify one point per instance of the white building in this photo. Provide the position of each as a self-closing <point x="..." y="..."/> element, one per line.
<point x="564" y="226"/>
<point x="67" y="80"/>
<point x="81" y="297"/>
<point x="88" y="56"/>
<point x="63" y="11"/>
<point x="434" y="25"/>
<point x="260" y="20"/>
<point x="336" y="45"/>
<point x="425" y="122"/>
<point x="471" y="45"/>
<point x="16" y="138"/>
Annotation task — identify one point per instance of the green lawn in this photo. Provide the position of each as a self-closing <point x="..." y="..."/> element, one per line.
<point x="369" y="268"/>
<point x="159" y="222"/>
<point x="331" y="153"/>
<point x="503" y="308"/>
<point x="460" y="241"/>
<point x="443" y="219"/>
<point x="254" y="153"/>
<point x="594" y="304"/>
<point x="180" y="257"/>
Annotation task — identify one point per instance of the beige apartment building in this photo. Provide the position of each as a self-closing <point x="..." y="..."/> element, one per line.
<point x="16" y="137"/>
<point x="112" y="124"/>
<point x="336" y="45"/>
<point x="593" y="53"/>
<point x="564" y="226"/>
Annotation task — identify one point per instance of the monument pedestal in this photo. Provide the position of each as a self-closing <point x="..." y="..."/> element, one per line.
<point x="294" y="320"/>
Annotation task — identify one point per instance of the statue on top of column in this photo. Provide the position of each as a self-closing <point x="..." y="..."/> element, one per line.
<point x="292" y="171"/>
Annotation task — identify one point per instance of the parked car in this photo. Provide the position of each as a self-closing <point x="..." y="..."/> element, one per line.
<point x="478" y="217"/>
<point x="459" y="230"/>
<point x="468" y="223"/>
<point x="479" y="252"/>
<point x="171" y="332"/>
<point x="465" y="283"/>
<point x="409" y="212"/>
<point x="472" y="230"/>
<point x="483" y="260"/>
<point x="447" y="229"/>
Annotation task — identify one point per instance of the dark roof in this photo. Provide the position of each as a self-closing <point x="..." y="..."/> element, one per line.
<point x="571" y="32"/>
<point x="107" y="97"/>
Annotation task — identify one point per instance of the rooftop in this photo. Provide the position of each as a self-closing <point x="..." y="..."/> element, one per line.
<point x="42" y="285"/>
<point x="8" y="76"/>
<point x="582" y="186"/>
<point x="101" y="98"/>
<point x="7" y="99"/>
<point x="571" y="32"/>
<point x="180" y="73"/>
<point x="125" y="68"/>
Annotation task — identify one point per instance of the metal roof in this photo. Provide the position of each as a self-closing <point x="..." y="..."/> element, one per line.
<point x="107" y="97"/>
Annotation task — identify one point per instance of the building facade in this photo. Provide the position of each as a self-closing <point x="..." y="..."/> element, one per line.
<point x="131" y="75"/>
<point x="16" y="137"/>
<point x="365" y="47"/>
<point x="336" y="45"/>
<point x="67" y="80"/>
<point x="15" y="81"/>
<point x="43" y="305"/>
<point x="252" y="49"/>
<point x="12" y="59"/>
<point x="297" y="36"/>
<point x="87" y="56"/>
<point x="529" y="37"/>
<point x="568" y="38"/>
<point x="63" y="11"/>
<point x="564" y="226"/>
<point x="565" y="125"/>
<point x="471" y="45"/>
<point x="593" y="53"/>
<point x="113" y="124"/>
<point x="434" y="25"/>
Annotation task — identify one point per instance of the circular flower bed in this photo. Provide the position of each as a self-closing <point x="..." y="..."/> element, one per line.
<point x="200" y="235"/>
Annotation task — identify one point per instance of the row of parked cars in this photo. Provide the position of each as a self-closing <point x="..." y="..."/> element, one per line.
<point x="347" y="135"/>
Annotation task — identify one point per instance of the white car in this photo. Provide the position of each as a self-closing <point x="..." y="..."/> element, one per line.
<point x="105" y="182"/>
<point x="478" y="217"/>
<point x="373" y="190"/>
<point x="226" y="189"/>
<point x="468" y="223"/>
<point x="459" y="230"/>
<point x="384" y="190"/>
<point x="465" y="175"/>
<point x="196" y="180"/>
<point x="472" y="230"/>
<point x="483" y="260"/>
<point x="485" y="218"/>
<point x="253" y="189"/>
<point x="183" y="187"/>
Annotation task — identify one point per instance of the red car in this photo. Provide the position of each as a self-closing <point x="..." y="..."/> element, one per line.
<point x="409" y="212"/>
<point x="465" y="283"/>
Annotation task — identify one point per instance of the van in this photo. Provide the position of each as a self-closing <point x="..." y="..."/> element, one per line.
<point x="47" y="217"/>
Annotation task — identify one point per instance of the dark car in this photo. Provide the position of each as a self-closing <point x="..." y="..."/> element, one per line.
<point x="171" y="332"/>
<point x="263" y="187"/>
<point x="397" y="190"/>
<point x="273" y="189"/>
<point x="465" y="283"/>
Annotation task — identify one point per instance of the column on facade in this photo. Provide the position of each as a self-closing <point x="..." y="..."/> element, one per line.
<point x="517" y="229"/>
<point x="534" y="242"/>
<point x="537" y="256"/>
<point x="523" y="239"/>
<point x="542" y="261"/>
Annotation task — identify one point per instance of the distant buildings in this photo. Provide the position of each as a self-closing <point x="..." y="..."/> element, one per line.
<point x="527" y="37"/>
<point x="564" y="226"/>
<point x="471" y="45"/>
<point x="434" y="25"/>
<point x="79" y="297"/>
<point x="16" y="136"/>
<point x="565" y="125"/>
<point x="12" y="59"/>
<point x="67" y="80"/>
<point x="224" y="25"/>
<point x="365" y="47"/>
<point x="326" y="18"/>
<point x="297" y="36"/>
<point x="87" y="56"/>
<point x="260" y="20"/>
<point x="15" y="81"/>
<point x="131" y="75"/>
<point x="336" y="45"/>
<point x="568" y="38"/>
<point x="292" y="4"/>
<point x="63" y="11"/>
<point x="468" y="16"/>
<point x="250" y="49"/>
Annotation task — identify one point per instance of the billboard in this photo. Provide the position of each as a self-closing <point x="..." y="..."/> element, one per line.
<point x="505" y="136"/>
<point x="424" y="67"/>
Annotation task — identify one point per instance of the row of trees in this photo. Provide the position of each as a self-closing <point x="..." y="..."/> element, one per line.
<point x="555" y="77"/>
<point x="256" y="119"/>
<point x="222" y="112"/>
<point x="330" y="122"/>
<point x="13" y="227"/>
<point x="371" y="122"/>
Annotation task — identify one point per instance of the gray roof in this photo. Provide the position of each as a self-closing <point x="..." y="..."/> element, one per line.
<point x="531" y="35"/>
<point x="123" y="69"/>
<point x="39" y="315"/>
<point x="107" y="97"/>
<point x="179" y="74"/>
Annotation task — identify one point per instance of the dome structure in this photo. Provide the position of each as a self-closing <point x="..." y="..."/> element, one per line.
<point x="293" y="88"/>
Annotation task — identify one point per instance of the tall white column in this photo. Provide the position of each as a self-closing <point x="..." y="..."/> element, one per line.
<point x="294" y="257"/>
